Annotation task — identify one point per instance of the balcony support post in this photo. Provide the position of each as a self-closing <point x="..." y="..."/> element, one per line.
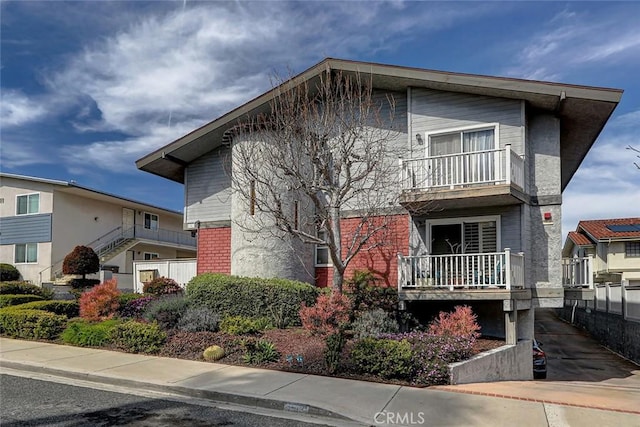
<point x="507" y="162"/>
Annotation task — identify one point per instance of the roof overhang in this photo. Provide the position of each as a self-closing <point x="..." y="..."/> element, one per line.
<point x="583" y="110"/>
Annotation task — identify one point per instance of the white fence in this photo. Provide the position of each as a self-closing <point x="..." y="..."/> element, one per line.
<point x="180" y="270"/>
<point x="618" y="298"/>
<point x="577" y="272"/>
<point x="475" y="271"/>
<point x="502" y="166"/>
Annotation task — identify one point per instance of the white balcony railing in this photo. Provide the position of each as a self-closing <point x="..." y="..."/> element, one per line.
<point x="577" y="272"/>
<point x="461" y="271"/>
<point x="489" y="167"/>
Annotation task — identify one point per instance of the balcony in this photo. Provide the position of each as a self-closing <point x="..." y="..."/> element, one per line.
<point x="478" y="276"/>
<point x="463" y="180"/>
<point x="578" y="278"/>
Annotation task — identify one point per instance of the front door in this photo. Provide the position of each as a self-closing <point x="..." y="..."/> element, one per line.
<point x="128" y="221"/>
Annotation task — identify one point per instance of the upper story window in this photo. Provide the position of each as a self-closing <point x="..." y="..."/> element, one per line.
<point x="322" y="251"/>
<point x="462" y="141"/>
<point x="28" y="204"/>
<point x="150" y="221"/>
<point x="148" y="256"/>
<point x="632" y="249"/>
<point x="26" y="253"/>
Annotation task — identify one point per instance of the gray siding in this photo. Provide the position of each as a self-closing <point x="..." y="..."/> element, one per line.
<point x="208" y="188"/>
<point x="25" y="229"/>
<point x="433" y="110"/>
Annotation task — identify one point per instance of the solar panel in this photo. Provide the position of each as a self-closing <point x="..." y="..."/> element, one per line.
<point x="624" y="228"/>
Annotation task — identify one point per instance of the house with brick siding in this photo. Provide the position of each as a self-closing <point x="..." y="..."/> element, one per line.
<point x="493" y="156"/>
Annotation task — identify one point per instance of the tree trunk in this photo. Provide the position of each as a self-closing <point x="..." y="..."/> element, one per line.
<point x="338" y="267"/>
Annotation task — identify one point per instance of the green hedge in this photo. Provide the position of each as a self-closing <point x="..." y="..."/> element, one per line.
<point x="9" y="300"/>
<point x="66" y="308"/>
<point x="31" y="324"/>
<point x="383" y="357"/>
<point x="85" y="333"/>
<point x="24" y="288"/>
<point x="277" y="299"/>
<point x="138" y="337"/>
<point x="8" y="272"/>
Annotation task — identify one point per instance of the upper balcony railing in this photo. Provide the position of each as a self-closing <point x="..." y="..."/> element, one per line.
<point x="501" y="166"/>
<point x="461" y="271"/>
<point x="577" y="272"/>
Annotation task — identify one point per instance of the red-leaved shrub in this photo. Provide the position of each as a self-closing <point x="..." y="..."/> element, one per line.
<point x="459" y="323"/>
<point x="100" y="302"/>
<point x="328" y="314"/>
<point x="162" y="286"/>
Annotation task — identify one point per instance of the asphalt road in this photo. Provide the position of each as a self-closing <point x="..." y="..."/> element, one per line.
<point x="572" y="355"/>
<point x="32" y="402"/>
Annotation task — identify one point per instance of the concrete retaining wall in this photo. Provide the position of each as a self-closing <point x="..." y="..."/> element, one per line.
<point x="507" y="363"/>
<point x="612" y="330"/>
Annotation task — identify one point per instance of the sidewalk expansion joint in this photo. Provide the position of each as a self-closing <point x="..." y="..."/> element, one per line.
<point x="288" y="384"/>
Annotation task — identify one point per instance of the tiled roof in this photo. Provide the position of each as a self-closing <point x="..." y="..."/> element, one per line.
<point x="598" y="228"/>
<point x="579" y="239"/>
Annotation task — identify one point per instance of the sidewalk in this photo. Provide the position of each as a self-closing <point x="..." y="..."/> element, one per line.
<point x="338" y="399"/>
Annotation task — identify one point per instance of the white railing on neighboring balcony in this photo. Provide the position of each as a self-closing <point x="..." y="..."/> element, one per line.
<point x="577" y="272"/>
<point x="501" y="166"/>
<point x="462" y="271"/>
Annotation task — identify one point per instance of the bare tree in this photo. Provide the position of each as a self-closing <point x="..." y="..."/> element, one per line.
<point x="326" y="150"/>
<point x="637" y="151"/>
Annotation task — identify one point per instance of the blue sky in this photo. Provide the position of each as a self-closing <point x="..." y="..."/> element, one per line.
<point x="89" y="87"/>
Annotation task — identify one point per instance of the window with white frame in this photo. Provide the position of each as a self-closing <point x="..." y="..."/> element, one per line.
<point x="632" y="249"/>
<point x="462" y="141"/>
<point x="150" y="255"/>
<point x="322" y="251"/>
<point x="28" y="204"/>
<point x="150" y="221"/>
<point x="26" y="253"/>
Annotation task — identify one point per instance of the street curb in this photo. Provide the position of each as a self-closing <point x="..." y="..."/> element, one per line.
<point x="218" y="396"/>
<point x="531" y="399"/>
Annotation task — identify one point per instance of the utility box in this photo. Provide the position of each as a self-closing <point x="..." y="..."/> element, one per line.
<point x="147" y="276"/>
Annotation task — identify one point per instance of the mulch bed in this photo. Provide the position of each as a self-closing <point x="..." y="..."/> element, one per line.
<point x="291" y="343"/>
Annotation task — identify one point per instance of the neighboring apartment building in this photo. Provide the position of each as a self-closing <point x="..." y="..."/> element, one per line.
<point x="603" y="250"/>
<point x="504" y="149"/>
<point x="42" y="220"/>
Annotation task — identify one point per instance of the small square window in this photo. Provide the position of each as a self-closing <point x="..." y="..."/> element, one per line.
<point x="28" y="204"/>
<point x="26" y="253"/>
<point x="632" y="249"/>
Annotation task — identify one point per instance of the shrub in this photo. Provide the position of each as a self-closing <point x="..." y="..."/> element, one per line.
<point x="240" y="325"/>
<point x="372" y="323"/>
<point x="138" y="337"/>
<point x="199" y="319"/>
<point x="333" y="351"/>
<point x="83" y="283"/>
<point x="385" y="358"/>
<point x="82" y="260"/>
<point x="366" y="294"/>
<point x="259" y="351"/>
<point x="133" y="308"/>
<point x="8" y="272"/>
<point x="9" y="300"/>
<point x="31" y="324"/>
<point x="278" y="299"/>
<point x="86" y="334"/>
<point x="459" y="323"/>
<point x="166" y="311"/>
<point x="432" y="354"/>
<point x="24" y="288"/>
<point x="66" y="308"/>
<point x="162" y="286"/>
<point x="327" y="316"/>
<point x="100" y="302"/>
<point x="213" y="353"/>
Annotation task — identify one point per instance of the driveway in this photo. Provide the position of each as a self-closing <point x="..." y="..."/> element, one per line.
<point x="572" y="355"/>
<point x="580" y="372"/>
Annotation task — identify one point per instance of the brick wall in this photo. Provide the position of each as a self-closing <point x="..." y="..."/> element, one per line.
<point x="382" y="260"/>
<point x="214" y="250"/>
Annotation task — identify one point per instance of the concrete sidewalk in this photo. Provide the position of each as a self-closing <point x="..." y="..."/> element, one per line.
<point x="339" y="400"/>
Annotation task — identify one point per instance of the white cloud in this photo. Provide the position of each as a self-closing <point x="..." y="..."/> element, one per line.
<point x="18" y="109"/>
<point x="572" y="41"/>
<point x="16" y="154"/>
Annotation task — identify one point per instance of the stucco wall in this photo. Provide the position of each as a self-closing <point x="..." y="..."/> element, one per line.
<point x="507" y="363"/>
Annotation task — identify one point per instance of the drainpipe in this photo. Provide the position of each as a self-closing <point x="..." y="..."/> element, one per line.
<point x="573" y="311"/>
